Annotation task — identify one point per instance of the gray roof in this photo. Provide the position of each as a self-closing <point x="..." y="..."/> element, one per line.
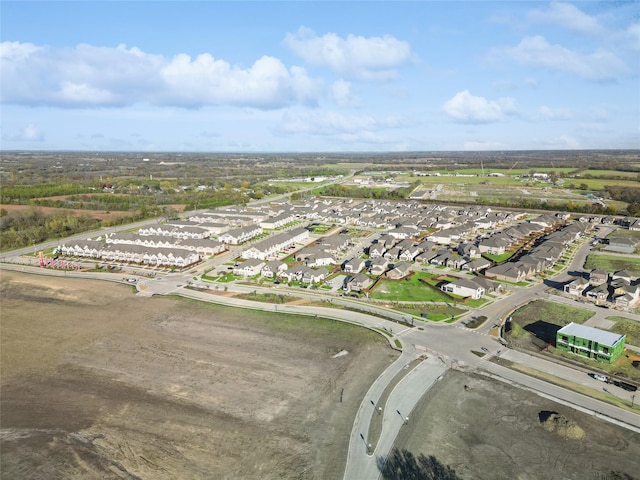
<point x="594" y="334"/>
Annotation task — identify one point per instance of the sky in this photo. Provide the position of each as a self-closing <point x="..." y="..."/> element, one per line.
<point x="319" y="76"/>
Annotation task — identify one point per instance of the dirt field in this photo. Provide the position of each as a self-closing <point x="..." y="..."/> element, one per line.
<point x="98" y="383"/>
<point x="494" y="431"/>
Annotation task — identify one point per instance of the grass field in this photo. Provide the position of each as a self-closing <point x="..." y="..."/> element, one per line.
<point x="628" y="327"/>
<point x="545" y="314"/>
<point x="611" y="263"/>
<point x="408" y="290"/>
<point x="434" y="313"/>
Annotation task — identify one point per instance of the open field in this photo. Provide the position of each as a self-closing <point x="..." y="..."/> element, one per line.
<point x="612" y="263"/>
<point x="116" y="386"/>
<point x="100" y="214"/>
<point x="410" y="289"/>
<point x="534" y="325"/>
<point x="534" y="328"/>
<point x="628" y="327"/>
<point x="494" y="431"/>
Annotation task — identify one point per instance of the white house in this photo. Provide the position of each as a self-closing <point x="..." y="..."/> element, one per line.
<point x="464" y="288"/>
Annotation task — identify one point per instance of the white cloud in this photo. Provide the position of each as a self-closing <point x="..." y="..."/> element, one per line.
<point x="563" y="142"/>
<point x="87" y="76"/>
<point x="466" y="108"/>
<point x="341" y="93"/>
<point x="536" y="51"/>
<point x="30" y="133"/>
<point x="555" y="113"/>
<point x="633" y="34"/>
<point x="367" y="58"/>
<point x="334" y="123"/>
<point x="483" y="145"/>
<point x="568" y="16"/>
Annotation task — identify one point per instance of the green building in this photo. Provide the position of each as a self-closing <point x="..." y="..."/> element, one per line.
<point x="590" y="342"/>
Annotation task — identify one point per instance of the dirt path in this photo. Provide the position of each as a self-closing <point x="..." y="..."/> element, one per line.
<point x="99" y="383"/>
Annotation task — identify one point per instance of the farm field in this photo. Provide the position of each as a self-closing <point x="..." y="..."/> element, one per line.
<point x="116" y="386"/>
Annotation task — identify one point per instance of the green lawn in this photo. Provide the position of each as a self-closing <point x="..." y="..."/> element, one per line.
<point x="499" y="258"/>
<point x="612" y="263"/>
<point x="408" y="290"/>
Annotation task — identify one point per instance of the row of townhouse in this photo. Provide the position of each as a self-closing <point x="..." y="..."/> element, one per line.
<point x="618" y="290"/>
<point x="324" y="251"/>
<point x="212" y="227"/>
<point x="271" y="247"/>
<point x="173" y="257"/>
<point x="175" y="231"/>
<point x="278" y="221"/>
<point x="539" y="258"/>
<point x="241" y="235"/>
<point x="277" y="269"/>
<point x="399" y="214"/>
<point x="204" y="247"/>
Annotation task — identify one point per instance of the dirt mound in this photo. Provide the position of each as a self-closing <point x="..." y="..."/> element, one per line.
<point x="561" y="425"/>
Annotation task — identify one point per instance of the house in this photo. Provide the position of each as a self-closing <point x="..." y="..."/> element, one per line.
<point x="443" y="237"/>
<point x="507" y="271"/>
<point x="622" y="244"/>
<point x="494" y="245"/>
<point x="590" y="342"/>
<point x="400" y="270"/>
<point x="393" y="253"/>
<point x="476" y="265"/>
<point x="409" y="253"/>
<point x="469" y="250"/>
<point x="464" y="288"/>
<point x="576" y="286"/>
<point x="273" y="269"/>
<point x="294" y="273"/>
<point x="426" y="256"/>
<point x="376" y="250"/>
<point x="387" y="241"/>
<point x="622" y="274"/>
<point x="357" y="282"/>
<point x="599" y="294"/>
<point x="354" y="265"/>
<point x="314" y="275"/>
<point x="489" y="285"/>
<point x="249" y="268"/>
<point x="378" y="266"/>
<point x="598" y="277"/>
<point x="320" y="259"/>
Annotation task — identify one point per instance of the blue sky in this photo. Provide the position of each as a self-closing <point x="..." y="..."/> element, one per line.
<point x="324" y="76"/>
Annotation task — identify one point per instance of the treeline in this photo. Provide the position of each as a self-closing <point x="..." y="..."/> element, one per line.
<point x="338" y="190"/>
<point x="18" y="193"/>
<point x="533" y="204"/>
<point x="631" y="195"/>
<point x="21" y="228"/>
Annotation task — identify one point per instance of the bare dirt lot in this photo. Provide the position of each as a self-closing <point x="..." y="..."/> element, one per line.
<point x="497" y="431"/>
<point x="99" y="383"/>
